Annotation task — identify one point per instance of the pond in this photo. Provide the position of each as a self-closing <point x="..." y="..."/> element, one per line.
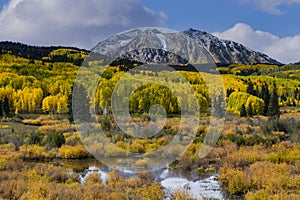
<point x="205" y="186"/>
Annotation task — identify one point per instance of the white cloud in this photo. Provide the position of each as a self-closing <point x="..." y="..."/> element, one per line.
<point x="271" y="6"/>
<point x="286" y="49"/>
<point x="80" y="23"/>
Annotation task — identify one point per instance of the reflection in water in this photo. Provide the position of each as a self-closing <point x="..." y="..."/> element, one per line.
<point x="207" y="188"/>
<point x="172" y="181"/>
<point x="102" y="174"/>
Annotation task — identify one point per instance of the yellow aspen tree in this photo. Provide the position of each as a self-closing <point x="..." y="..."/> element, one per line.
<point x="50" y="104"/>
<point x="37" y="98"/>
<point x="62" y="104"/>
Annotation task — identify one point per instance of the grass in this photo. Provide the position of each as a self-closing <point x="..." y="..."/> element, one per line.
<point x="19" y="127"/>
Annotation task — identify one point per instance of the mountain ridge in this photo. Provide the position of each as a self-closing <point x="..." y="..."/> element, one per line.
<point x="228" y="51"/>
<point x="223" y="52"/>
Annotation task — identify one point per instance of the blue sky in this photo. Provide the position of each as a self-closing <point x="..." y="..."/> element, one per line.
<point x="269" y="26"/>
<point x="219" y="15"/>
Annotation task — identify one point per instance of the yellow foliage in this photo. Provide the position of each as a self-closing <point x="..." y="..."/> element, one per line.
<point x="73" y="152"/>
<point x="236" y="181"/>
<point x="33" y="151"/>
<point x="142" y="162"/>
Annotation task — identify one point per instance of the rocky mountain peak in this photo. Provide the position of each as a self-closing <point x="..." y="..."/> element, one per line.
<point x="148" y="45"/>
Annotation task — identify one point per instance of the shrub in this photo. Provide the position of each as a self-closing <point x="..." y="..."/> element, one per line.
<point x="186" y="163"/>
<point x="270" y="176"/>
<point x="115" y="179"/>
<point x="142" y="162"/>
<point x="14" y="164"/>
<point x="258" y="195"/>
<point x="33" y="152"/>
<point x="93" y="179"/>
<point x="35" y="138"/>
<point x="72" y="139"/>
<point x="58" y="175"/>
<point x="235" y="181"/>
<point x="105" y="124"/>
<point x="284" y="154"/>
<point x="54" y="140"/>
<point x="73" y="152"/>
<point x="181" y="194"/>
<point x="137" y="147"/>
<point x="113" y="151"/>
<point x="244" y="157"/>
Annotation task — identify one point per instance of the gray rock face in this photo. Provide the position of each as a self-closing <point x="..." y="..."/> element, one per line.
<point x="153" y="45"/>
<point x="228" y="52"/>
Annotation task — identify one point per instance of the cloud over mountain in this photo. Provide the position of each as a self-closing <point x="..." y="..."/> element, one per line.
<point x="271" y="6"/>
<point x="285" y="49"/>
<point x="72" y="22"/>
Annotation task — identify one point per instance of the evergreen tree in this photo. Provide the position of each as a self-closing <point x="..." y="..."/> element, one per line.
<point x="250" y="111"/>
<point x="274" y="111"/>
<point x="265" y="95"/>
<point x="243" y="112"/>
<point x="229" y="92"/>
<point x="256" y="91"/>
<point x="297" y="94"/>
<point x="250" y="89"/>
<point x="1" y="108"/>
<point x="70" y="111"/>
<point x="6" y="106"/>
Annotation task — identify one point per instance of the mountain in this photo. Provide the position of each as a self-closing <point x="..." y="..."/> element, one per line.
<point x="149" y="45"/>
<point x="144" y="45"/>
<point x="228" y="52"/>
<point x="134" y="45"/>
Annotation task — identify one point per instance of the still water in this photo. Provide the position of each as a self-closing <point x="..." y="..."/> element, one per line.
<point x="204" y="187"/>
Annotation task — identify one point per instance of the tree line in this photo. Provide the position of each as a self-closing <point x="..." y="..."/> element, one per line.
<point x="255" y="101"/>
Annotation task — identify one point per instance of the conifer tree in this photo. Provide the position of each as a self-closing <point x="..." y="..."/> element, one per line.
<point x="243" y="112"/>
<point x="265" y="95"/>
<point x="70" y="109"/>
<point x="1" y="108"/>
<point x="250" y="111"/>
<point x="297" y="94"/>
<point x="250" y="89"/>
<point x="274" y="111"/>
<point x="229" y="92"/>
<point x="6" y="107"/>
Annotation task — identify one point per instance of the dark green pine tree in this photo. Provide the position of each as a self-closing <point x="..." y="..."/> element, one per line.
<point x="250" y="88"/>
<point x="265" y="95"/>
<point x="297" y="94"/>
<point x="250" y="111"/>
<point x="6" y="107"/>
<point x="243" y="112"/>
<point x="229" y="92"/>
<point x="1" y="108"/>
<point x="274" y="111"/>
<point x="70" y="109"/>
<point x="256" y="91"/>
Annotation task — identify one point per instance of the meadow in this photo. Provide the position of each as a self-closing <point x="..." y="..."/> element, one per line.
<point x="257" y="155"/>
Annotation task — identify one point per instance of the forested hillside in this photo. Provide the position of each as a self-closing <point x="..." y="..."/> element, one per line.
<point x="44" y="85"/>
<point x="48" y="54"/>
